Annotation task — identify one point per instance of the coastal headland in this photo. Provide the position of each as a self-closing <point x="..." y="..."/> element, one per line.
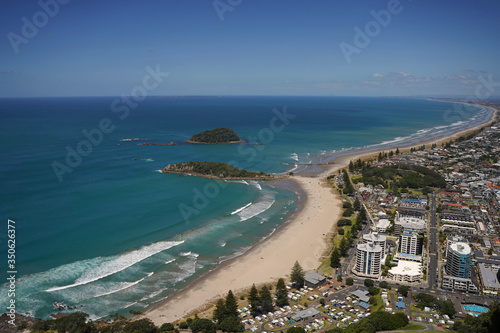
<point x="306" y="237"/>
<point x="216" y="170"/>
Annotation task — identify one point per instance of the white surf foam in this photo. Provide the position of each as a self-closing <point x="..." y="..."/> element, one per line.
<point x="255" y="209"/>
<point x="169" y="261"/>
<point x="294" y="156"/>
<point x="256" y="184"/>
<point x="240" y="209"/>
<point x="119" y="263"/>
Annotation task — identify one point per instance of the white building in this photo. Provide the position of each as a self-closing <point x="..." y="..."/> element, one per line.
<point x="378" y="239"/>
<point x="368" y="260"/>
<point x="406" y="271"/>
<point x="382" y="225"/>
<point x="410" y="242"/>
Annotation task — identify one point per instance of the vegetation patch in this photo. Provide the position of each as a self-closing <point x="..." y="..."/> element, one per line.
<point x="216" y="135"/>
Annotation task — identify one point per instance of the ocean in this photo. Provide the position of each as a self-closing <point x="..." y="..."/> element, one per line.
<point x="100" y="230"/>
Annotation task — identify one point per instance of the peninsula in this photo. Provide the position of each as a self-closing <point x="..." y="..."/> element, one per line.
<point x="217" y="135"/>
<point x="216" y="170"/>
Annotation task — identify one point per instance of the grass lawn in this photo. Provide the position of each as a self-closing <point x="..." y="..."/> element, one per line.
<point x="412" y="327"/>
<point x="414" y="308"/>
<point x="380" y="304"/>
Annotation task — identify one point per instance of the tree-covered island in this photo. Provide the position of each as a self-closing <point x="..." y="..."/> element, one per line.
<point x="216" y="170"/>
<point x="216" y="136"/>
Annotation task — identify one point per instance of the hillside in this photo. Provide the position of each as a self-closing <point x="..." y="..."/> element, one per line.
<point x="217" y="170"/>
<point x="216" y="136"/>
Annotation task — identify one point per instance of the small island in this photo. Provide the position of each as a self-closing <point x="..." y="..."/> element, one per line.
<point x="217" y="135"/>
<point x="215" y="170"/>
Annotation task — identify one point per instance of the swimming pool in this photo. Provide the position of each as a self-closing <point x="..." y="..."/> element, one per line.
<point x="475" y="308"/>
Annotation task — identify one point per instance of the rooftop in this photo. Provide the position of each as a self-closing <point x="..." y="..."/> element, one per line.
<point x="375" y="237"/>
<point x="304" y="314"/>
<point x="369" y="247"/>
<point x="461" y="248"/>
<point x="406" y="268"/>
<point x="313" y="277"/>
<point x="489" y="278"/>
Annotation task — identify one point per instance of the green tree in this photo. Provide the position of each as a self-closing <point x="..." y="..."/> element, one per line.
<point x="344" y="246"/>
<point x="349" y="281"/>
<point x="281" y="293"/>
<point x="383" y="284"/>
<point x="369" y="283"/>
<point x="346" y="204"/>
<point x="183" y="325"/>
<point x="297" y="275"/>
<point x="220" y="311"/>
<point x="231" y="305"/>
<point x="232" y="324"/>
<point x="362" y="214"/>
<point x="373" y="291"/>
<point x="341" y="231"/>
<point x="403" y="290"/>
<point x="202" y="325"/>
<point x="339" y="278"/>
<point x="335" y="258"/>
<point x="295" y="330"/>
<point x="167" y="327"/>
<point x="76" y="323"/>
<point x="254" y="300"/>
<point x="357" y="204"/>
<point x="142" y="325"/>
<point x="351" y="166"/>
<point x="266" y="300"/>
<point x="446" y="307"/>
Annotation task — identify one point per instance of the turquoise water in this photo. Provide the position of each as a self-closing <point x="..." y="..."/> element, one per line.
<point x="112" y="234"/>
<point x="475" y="308"/>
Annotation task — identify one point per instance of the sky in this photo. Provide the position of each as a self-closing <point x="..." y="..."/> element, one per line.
<point x="250" y="47"/>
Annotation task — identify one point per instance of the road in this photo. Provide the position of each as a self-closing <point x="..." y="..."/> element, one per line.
<point x="432" y="271"/>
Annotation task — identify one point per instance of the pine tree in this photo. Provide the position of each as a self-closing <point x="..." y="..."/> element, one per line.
<point x="220" y="311"/>
<point x="351" y="166"/>
<point x="231" y="305"/>
<point x="297" y="275"/>
<point x="281" y="293"/>
<point x="335" y="258"/>
<point x="362" y="215"/>
<point x="397" y="151"/>
<point x="357" y="204"/>
<point x="266" y="300"/>
<point x="344" y="246"/>
<point x="254" y="299"/>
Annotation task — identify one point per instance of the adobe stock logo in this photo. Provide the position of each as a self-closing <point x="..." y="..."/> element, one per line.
<point x="40" y="19"/>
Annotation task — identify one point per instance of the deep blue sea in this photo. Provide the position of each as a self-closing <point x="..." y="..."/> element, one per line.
<point x="98" y="228"/>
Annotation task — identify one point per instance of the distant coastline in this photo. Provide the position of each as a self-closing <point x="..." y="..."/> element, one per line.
<point x="195" y="297"/>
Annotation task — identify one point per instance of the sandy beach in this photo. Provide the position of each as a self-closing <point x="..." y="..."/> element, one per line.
<point x="304" y="238"/>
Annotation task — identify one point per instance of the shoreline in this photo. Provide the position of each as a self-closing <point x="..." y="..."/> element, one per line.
<point x="303" y="237"/>
<point x="194" y="174"/>
<point x="202" y="293"/>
